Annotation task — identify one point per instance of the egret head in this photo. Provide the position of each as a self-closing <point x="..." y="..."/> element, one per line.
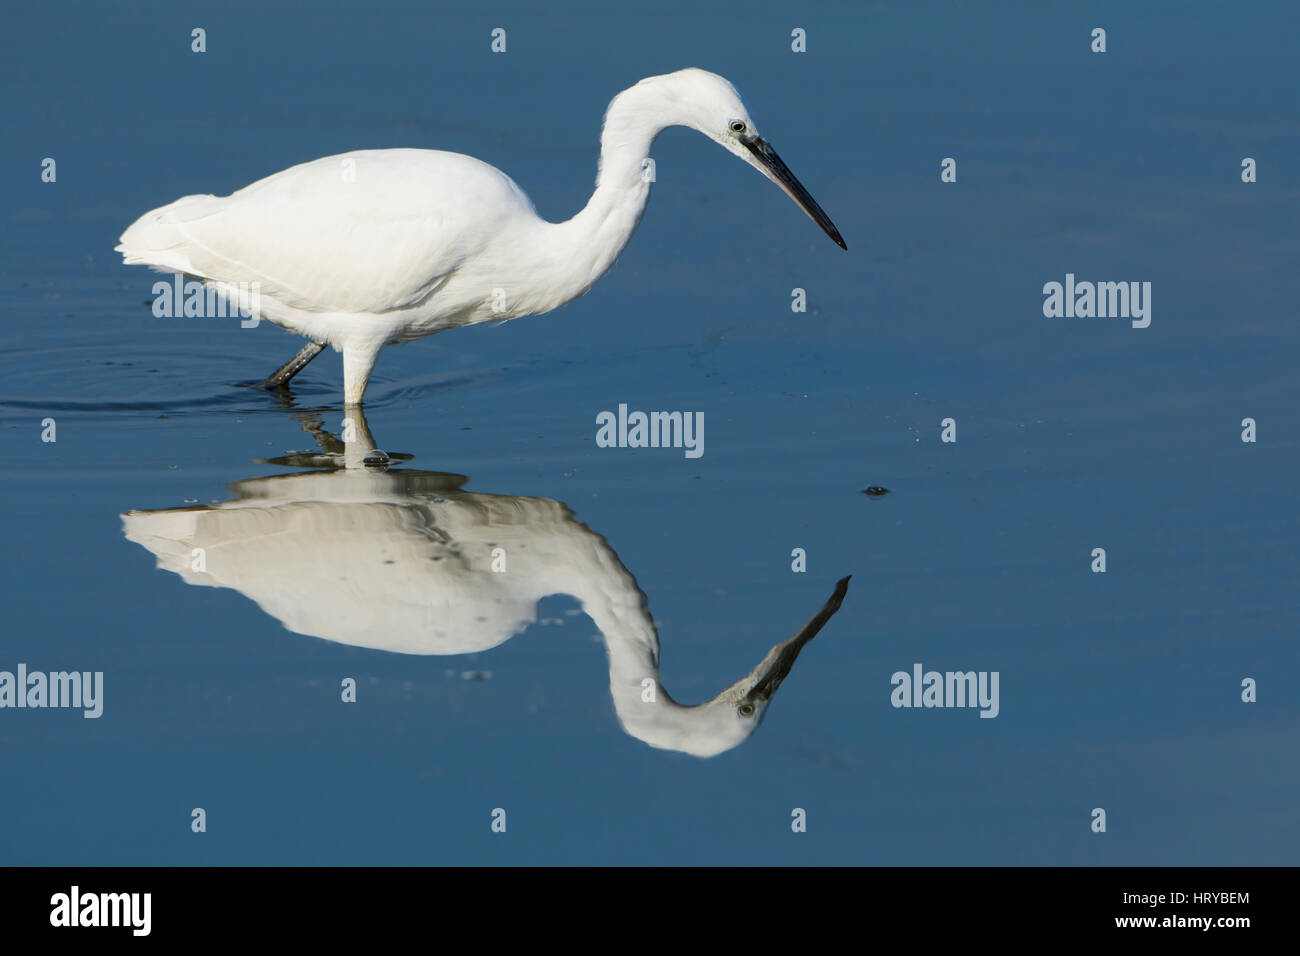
<point x="728" y="720"/>
<point x="749" y="698"/>
<point x="713" y="106"/>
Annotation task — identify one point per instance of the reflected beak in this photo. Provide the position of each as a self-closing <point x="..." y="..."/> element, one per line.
<point x="780" y="659"/>
<point x="771" y="166"/>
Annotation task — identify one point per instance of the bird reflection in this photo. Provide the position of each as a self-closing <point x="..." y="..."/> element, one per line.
<point x="402" y="560"/>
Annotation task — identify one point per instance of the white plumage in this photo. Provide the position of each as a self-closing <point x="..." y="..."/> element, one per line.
<point x="377" y="246"/>
<point x="405" y="561"/>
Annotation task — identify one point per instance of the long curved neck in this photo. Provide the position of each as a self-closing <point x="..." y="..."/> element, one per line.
<point x="616" y="605"/>
<point x="644" y="707"/>
<point x="586" y="567"/>
<point x="582" y="249"/>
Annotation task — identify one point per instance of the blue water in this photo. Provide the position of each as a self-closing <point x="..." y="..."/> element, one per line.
<point x="1119" y="691"/>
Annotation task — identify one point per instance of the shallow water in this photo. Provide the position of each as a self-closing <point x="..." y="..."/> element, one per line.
<point x="1118" y="690"/>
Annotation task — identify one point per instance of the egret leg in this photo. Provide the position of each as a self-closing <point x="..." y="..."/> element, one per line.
<point x="358" y="361"/>
<point x="292" y="367"/>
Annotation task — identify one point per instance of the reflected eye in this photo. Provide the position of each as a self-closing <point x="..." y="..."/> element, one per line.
<point x="737" y="126"/>
<point x="746" y="709"/>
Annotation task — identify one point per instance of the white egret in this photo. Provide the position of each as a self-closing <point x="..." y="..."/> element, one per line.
<point x="372" y="247"/>
<point x="404" y="560"/>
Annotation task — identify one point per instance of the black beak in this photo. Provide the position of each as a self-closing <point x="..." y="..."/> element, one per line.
<point x="776" y="666"/>
<point x="780" y="174"/>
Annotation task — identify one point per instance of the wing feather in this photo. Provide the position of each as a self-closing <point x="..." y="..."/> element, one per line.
<point x="370" y="231"/>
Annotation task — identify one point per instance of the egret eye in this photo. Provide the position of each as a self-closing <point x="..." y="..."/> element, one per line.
<point x="737" y="126"/>
<point x="745" y="709"/>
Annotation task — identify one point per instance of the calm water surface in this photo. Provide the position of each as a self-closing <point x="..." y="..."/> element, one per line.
<point x="1118" y="690"/>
